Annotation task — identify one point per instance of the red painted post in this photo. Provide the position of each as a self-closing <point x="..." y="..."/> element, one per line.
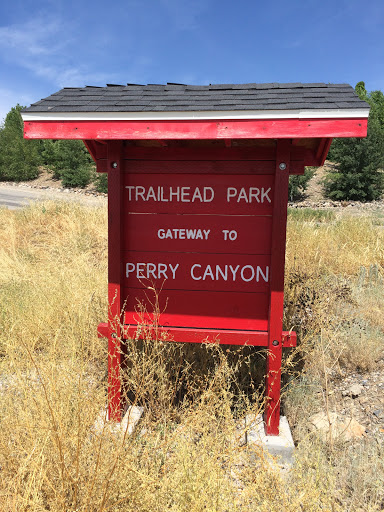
<point x="115" y="398"/>
<point x="275" y="321"/>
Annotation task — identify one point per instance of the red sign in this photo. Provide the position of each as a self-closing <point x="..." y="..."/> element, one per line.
<point x="196" y="249"/>
<point x="202" y="245"/>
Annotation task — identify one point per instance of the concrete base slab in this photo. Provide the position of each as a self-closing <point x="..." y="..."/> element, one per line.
<point x="127" y="424"/>
<point x="281" y="446"/>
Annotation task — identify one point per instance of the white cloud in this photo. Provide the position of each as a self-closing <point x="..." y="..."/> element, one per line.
<point x="48" y="48"/>
<point x="38" y="37"/>
<point x="44" y="47"/>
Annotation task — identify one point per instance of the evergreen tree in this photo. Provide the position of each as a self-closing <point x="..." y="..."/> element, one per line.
<point x="360" y="161"/>
<point x="69" y="160"/>
<point x="298" y="184"/>
<point x="19" y="158"/>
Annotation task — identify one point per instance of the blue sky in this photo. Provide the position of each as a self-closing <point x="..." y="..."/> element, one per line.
<point x="49" y="44"/>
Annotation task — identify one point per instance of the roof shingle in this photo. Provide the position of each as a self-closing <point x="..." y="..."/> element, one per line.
<point x="215" y="97"/>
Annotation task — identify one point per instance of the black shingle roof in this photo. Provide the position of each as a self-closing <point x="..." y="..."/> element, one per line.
<point x="180" y="97"/>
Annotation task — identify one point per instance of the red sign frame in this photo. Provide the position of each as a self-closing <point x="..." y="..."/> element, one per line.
<point x="210" y="246"/>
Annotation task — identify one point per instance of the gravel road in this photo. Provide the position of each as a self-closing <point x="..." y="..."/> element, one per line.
<point x="17" y="196"/>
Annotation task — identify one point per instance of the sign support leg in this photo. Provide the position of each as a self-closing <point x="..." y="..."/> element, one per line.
<point x="115" y="303"/>
<point x="275" y="321"/>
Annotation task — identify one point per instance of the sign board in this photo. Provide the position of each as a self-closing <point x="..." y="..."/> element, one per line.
<point x="204" y="240"/>
<point x="203" y="245"/>
<point x="197" y="204"/>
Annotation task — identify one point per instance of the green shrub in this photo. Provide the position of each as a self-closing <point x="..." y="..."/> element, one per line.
<point x="298" y="184"/>
<point x="78" y="177"/>
<point x="69" y="161"/>
<point x="101" y="182"/>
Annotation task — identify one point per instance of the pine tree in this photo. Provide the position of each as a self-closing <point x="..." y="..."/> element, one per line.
<point x="19" y="158"/>
<point x="69" y="160"/>
<point x="359" y="174"/>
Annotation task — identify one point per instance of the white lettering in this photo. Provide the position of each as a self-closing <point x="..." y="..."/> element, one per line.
<point x="252" y="273"/>
<point x="206" y="191"/>
<point x="130" y="187"/>
<point x="197" y="195"/>
<point x="224" y="275"/>
<point x="151" y="270"/>
<point x="242" y="195"/>
<point x="192" y="272"/>
<point x="161" y="233"/>
<point x="140" y="267"/>
<point x="130" y="267"/>
<point x="208" y="272"/>
<point x="234" y="271"/>
<point x="185" y="194"/>
<point x="265" y="194"/>
<point x="173" y="269"/>
<point x="140" y="192"/>
<point x="151" y="194"/>
<point x="177" y="193"/>
<point x="162" y="269"/>
<point x="231" y="192"/>
<point x="254" y="193"/>
<point x="162" y="196"/>
<point x="260" y="272"/>
<point x="206" y="233"/>
<point x="165" y="194"/>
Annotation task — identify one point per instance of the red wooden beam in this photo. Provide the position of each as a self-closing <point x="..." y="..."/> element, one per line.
<point x="115" y="301"/>
<point x="324" y="152"/>
<point x="275" y="323"/>
<point x="91" y="147"/>
<point x="223" y="337"/>
<point x="196" y="129"/>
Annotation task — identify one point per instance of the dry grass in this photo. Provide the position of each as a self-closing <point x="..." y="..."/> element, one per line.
<point x="186" y="455"/>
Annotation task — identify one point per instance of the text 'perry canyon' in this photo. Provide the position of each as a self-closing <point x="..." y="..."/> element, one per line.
<point x="198" y="272"/>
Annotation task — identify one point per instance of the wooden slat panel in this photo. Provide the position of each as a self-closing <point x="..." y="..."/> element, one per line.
<point x="192" y="271"/>
<point x="198" y="309"/>
<point x="144" y="166"/>
<point x="198" y="167"/>
<point x="199" y="153"/>
<point x="200" y="233"/>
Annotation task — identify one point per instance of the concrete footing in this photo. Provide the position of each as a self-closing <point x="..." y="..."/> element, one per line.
<point x="281" y="446"/>
<point x="127" y="424"/>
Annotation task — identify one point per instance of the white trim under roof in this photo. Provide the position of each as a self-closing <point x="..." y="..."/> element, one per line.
<point x="361" y="113"/>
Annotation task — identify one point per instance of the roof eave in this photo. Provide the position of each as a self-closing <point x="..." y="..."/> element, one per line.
<point x="197" y="115"/>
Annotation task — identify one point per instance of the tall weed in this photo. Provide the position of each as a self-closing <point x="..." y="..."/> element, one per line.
<point x="58" y="452"/>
